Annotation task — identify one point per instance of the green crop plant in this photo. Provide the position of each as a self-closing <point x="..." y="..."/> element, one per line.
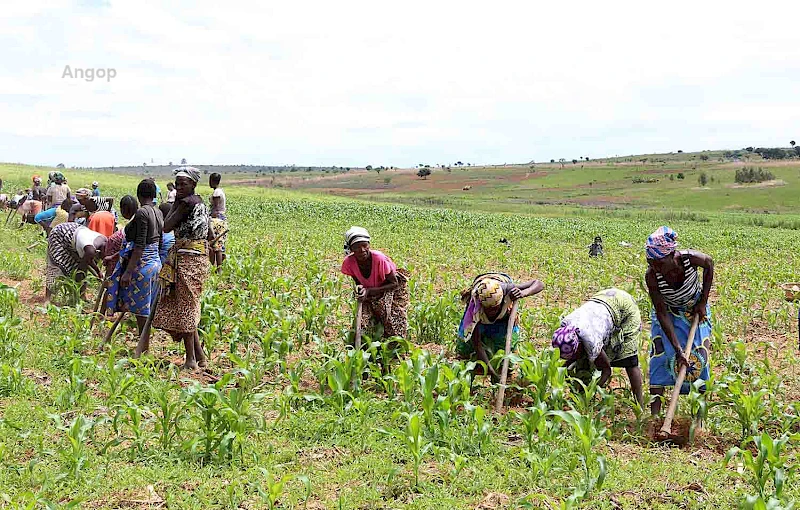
<point x="170" y="411"/>
<point x="413" y="439"/>
<point x="768" y="468"/>
<point x="543" y="375"/>
<point x="589" y="433"/>
<point x="75" y="454"/>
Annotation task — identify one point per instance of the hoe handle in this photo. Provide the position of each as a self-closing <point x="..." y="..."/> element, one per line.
<point x="676" y="390"/>
<point x="358" y="325"/>
<point x="501" y="392"/>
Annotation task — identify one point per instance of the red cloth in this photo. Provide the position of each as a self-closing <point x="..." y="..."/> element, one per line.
<point x="113" y="246"/>
<point x="382" y="266"/>
<point x="103" y="222"/>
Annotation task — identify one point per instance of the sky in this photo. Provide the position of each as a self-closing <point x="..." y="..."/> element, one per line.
<point x="353" y="83"/>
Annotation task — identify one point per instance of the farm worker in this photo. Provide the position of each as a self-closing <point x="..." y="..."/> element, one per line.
<point x="171" y="193"/>
<point x="219" y="220"/>
<point x="601" y="334"/>
<point x="54" y="197"/>
<point x="182" y="276"/>
<point x="677" y="295"/>
<point x="95" y="189"/>
<point x="596" y="248"/>
<point x="88" y="205"/>
<point x="167" y="238"/>
<point x="135" y="277"/>
<point x="379" y="285"/>
<point x="485" y="322"/>
<point x="72" y="249"/>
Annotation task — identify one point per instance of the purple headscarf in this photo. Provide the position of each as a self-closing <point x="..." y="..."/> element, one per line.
<point x="566" y="340"/>
<point x="661" y="243"/>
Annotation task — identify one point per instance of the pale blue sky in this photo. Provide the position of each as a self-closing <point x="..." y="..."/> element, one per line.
<point x="357" y="83"/>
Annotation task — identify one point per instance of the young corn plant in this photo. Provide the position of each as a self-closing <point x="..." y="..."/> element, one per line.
<point x="170" y="411"/>
<point x="75" y="454"/>
<point x="589" y="432"/>
<point x="768" y="469"/>
<point x="413" y="439"/>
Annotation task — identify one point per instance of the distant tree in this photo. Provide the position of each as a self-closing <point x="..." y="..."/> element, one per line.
<point x="792" y="143"/>
<point x="424" y="173"/>
<point x="170" y="163"/>
<point x="680" y="175"/>
<point x="749" y="149"/>
<point x="552" y="161"/>
<point x="60" y="165"/>
<point x="387" y="180"/>
<point x="704" y="157"/>
<point x="562" y="161"/>
<point x="144" y="164"/>
<point x="459" y="163"/>
<point x="671" y="177"/>
<point x="586" y="158"/>
<point x="703" y="179"/>
<point x="183" y="161"/>
<point x="680" y="151"/>
<point x="574" y="161"/>
<point x="369" y="168"/>
<point x="378" y="170"/>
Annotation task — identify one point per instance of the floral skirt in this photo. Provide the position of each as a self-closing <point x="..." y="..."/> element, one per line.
<point x="391" y="309"/>
<point x="662" y="354"/>
<point x="136" y="297"/>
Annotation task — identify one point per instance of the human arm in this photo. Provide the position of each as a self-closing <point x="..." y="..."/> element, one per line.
<point x="176" y="215"/>
<point x="662" y="314"/>
<point x="604" y="365"/>
<point x="138" y="234"/>
<point x="388" y="285"/>
<point x="526" y="289"/>
<point x="699" y="259"/>
<point x="88" y="262"/>
<point x="480" y="352"/>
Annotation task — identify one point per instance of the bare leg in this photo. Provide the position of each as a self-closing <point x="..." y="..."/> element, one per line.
<point x="655" y="405"/>
<point x="635" y="377"/>
<point x="141" y="320"/>
<point x="188" y="343"/>
<point x="199" y="355"/>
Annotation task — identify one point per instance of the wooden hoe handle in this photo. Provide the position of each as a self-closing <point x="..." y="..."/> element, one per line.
<point x="666" y="428"/>
<point x="501" y="392"/>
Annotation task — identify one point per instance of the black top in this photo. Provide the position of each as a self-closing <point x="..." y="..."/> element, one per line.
<point x="145" y="227"/>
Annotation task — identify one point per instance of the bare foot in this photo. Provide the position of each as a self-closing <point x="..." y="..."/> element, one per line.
<point x="190" y="365"/>
<point x="202" y="363"/>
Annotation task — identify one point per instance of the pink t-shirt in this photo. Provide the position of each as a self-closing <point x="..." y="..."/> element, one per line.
<point x="381" y="267"/>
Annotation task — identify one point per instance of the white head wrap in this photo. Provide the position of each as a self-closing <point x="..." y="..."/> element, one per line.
<point x="353" y="236"/>
<point x="187" y="171"/>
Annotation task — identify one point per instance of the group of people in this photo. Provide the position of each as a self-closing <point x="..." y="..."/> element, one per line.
<point x="601" y="334"/>
<point x="155" y="266"/>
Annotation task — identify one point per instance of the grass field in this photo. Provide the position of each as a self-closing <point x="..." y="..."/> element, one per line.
<point x="295" y="420"/>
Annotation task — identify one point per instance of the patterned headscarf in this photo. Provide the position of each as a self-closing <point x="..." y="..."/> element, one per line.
<point x="566" y="340"/>
<point x="187" y="171"/>
<point x="83" y="193"/>
<point x="353" y="236"/>
<point x="661" y="243"/>
<point x="488" y="292"/>
<point x="58" y="178"/>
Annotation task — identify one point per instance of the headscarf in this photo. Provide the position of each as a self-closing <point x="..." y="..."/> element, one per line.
<point x="37" y="179"/>
<point x="353" y="236"/>
<point x="566" y="340"/>
<point x="484" y="294"/>
<point x="83" y="193"/>
<point x="58" y="178"/>
<point x="95" y="184"/>
<point x="187" y="171"/>
<point x="661" y="243"/>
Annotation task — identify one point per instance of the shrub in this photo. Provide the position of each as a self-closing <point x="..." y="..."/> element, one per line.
<point x="752" y="174"/>
<point x="680" y="175"/>
<point x="703" y="179"/>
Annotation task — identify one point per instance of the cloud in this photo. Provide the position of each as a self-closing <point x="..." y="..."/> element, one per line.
<point x="361" y="83"/>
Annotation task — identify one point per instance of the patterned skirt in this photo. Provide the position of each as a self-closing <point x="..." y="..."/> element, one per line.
<point x="137" y="296"/>
<point x="179" y="309"/>
<point x="391" y="309"/>
<point x="662" y="355"/>
<point x="62" y="259"/>
<point x="219" y="226"/>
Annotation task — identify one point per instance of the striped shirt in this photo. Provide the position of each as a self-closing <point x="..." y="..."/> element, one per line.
<point x="687" y="291"/>
<point x="103" y="203"/>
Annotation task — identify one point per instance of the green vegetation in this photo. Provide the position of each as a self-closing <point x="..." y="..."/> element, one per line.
<point x="750" y="174"/>
<point x="290" y="418"/>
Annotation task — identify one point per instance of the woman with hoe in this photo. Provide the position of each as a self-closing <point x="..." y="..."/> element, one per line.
<point x="678" y="297"/>
<point x="485" y="321"/>
<point x="185" y="270"/>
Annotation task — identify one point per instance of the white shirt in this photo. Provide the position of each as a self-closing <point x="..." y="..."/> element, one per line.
<point x="83" y="238"/>
<point x="171" y="196"/>
<point x="221" y="195"/>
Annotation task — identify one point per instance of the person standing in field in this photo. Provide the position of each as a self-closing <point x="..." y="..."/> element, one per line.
<point x="55" y="196"/>
<point x="186" y="269"/>
<point x="135" y="277"/>
<point x="171" y="193"/>
<point x="379" y="285"/>
<point x="485" y="322"/>
<point x="603" y="333"/>
<point x="219" y="220"/>
<point x="673" y="282"/>
<point x="96" y="189"/>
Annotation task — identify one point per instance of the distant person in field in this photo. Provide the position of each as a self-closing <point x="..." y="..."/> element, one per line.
<point x="72" y="250"/>
<point x="379" y="285"/>
<point x="596" y="248"/>
<point x="483" y="327"/>
<point x="219" y="220"/>
<point x="603" y="333"/>
<point x="677" y="293"/>
<point x="95" y="212"/>
<point x="54" y="197"/>
<point x="135" y="277"/>
<point x="186" y="269"/>
<point x="95" y="189"/>
<point x="171" y="193"/>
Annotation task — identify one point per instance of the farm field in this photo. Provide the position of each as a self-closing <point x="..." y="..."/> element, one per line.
<point x="287" y="417"/>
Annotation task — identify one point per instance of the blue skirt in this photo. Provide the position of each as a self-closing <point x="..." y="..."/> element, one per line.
<point x="662" y="364"/>
<point x="136" y="297"/>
